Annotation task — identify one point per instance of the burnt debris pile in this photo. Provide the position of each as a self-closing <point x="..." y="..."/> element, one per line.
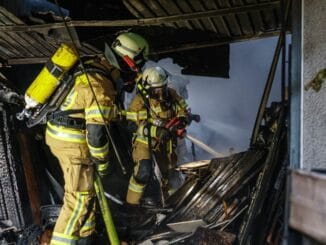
<point x="237" y="199"/>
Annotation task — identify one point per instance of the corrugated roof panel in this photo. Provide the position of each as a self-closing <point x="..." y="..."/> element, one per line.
<point x="190" y="23"/>
<point x="238" y="17"/>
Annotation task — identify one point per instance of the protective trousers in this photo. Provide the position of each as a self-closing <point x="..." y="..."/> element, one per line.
<point x="141" y="155"/>
<point x="77" y="215"/>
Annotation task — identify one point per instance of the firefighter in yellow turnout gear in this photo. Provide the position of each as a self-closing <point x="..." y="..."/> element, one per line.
<point x="76" y="136"/>
<point x="78" y="141"/>
<point x="162" y="104"/>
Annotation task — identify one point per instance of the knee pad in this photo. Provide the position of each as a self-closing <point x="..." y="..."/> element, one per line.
<point x="144" y="171"/>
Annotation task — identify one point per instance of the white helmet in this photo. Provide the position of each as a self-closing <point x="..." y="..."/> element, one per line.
<point x="132" y="45"/>
<point x="155" y="77"/>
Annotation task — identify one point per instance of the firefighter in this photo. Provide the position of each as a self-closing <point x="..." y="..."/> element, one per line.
<point x="76" y="135"/>
<point x="152" y="109"/>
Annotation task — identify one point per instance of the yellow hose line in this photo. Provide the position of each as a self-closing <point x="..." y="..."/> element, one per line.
<point x="107" y="217"/>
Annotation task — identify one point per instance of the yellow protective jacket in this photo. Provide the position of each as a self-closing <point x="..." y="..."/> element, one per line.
<point x="137" y="113"/>
<point x="81" y="98"/>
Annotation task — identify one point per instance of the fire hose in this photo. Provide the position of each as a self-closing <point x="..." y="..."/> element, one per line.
<point x="105" y="210"/>
<point x="203" y="146"/>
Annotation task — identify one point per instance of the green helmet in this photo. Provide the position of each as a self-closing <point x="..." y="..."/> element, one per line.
<point x="132" y="45"/>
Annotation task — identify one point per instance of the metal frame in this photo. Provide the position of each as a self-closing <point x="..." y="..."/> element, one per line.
<point x="280" y="46"/>
<point x="295" y="114"/>
<point x="296" y="86"/>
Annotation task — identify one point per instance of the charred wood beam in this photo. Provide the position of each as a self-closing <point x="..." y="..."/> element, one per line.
<point x="24" y="61"/>
<point x="13" y="198"/>
<point x="214" y="43"/>
<point x="145" y="21"/>
<point x="166" y="50"/>
<point x="264" y="181"/>
<point x="31" y="184"/>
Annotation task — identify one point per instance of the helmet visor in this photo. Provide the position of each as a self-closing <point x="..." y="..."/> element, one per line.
<point x="159" y="93"/>
<point x="110" y="56"/>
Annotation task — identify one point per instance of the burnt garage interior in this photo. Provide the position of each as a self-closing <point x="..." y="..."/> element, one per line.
<point x="239" y="199"/>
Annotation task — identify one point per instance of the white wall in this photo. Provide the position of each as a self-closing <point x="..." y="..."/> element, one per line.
<point x="314" y="104"/>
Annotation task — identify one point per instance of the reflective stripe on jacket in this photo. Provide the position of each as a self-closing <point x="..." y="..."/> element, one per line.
<point x="99" y="111"/>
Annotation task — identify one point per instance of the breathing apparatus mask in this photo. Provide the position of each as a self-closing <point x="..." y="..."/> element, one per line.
<point x="158" y="93"/>
<point x="155" y="80"/>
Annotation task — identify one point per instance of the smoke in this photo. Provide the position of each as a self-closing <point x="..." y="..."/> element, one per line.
<point x="228" y="107"/>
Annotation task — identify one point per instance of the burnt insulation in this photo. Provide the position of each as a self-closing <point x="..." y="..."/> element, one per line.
<point x="13" y="194"/>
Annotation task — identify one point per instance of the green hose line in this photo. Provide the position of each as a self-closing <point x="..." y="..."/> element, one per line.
<point x="107" y="217"/>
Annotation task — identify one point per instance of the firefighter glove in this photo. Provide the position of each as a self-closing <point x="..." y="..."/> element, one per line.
<point x="163" y="134"/>
<point x="184" y="122"/>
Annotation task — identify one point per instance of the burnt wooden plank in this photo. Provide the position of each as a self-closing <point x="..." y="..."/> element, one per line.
<point x="24" y="60"/>
<point x="208" y="23"/>
<point x="159" y="11"/>
<point x="6" y="49"/>
<point x="244" y="19"/>
<point x="8" y="45"/>
<point x="221" y="21"/>
<point x="20" y="43"/>
<point x="34" y="46"/>
<point x="211" y="5"/>
<point x="253" y="17"/>
<point x="185" y="8"/>
<point x="48" y="46"/>
<point x="141" y="8"/>
<point x="308" y="204"/>
<point x="132" y="9"/>
<point x="86" y="49"/>
<point x="258" y="23"/>
<point x="231" y="19"/>
<point x="31" y="184"/>
<point x="11" y="17"/>
<point x="144" y="21"/>
<point x="173" y="9"/>
<point x="11" y="38"/>
<point x="269" y="19"/>
<point x="278" y="17"/>
<point x="4" y="19"/>
<point x="29" y="43"/>
<point x="214" y="43"/>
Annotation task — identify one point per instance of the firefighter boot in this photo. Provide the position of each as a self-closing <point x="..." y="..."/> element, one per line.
<point x="139" y="180"/>
<point x="133" y="197"/>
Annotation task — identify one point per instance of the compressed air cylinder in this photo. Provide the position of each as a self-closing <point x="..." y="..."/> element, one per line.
<point x="48" y="79"/>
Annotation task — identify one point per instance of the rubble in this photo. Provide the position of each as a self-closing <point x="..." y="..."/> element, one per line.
<point x="242" y="194"/>
<point x="224" y="200"/>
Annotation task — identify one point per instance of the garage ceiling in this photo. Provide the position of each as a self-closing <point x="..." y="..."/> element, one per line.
<point x="192" y="32"/>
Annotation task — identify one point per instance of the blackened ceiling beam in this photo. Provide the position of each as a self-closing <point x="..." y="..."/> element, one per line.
<point x="165" y="50"/>
<point x="145" y="21"/>
<point x="214" y="43"/>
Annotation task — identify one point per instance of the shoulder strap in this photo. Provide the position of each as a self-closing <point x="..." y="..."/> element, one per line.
<point x="90" y="67"/>
<point x="56" y="114"/>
